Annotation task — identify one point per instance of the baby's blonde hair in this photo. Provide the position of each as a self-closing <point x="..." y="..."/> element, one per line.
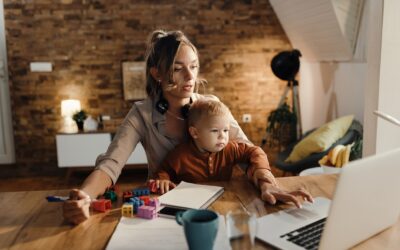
<point x="205" y="108"/>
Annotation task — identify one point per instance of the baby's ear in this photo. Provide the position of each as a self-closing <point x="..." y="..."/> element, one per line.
<point x="193" y="132"/>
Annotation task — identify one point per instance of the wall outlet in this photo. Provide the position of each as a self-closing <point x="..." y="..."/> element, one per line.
<point x="41" y="67"/>
<point x="106" y="117"/>
<point x="246" y="118"/>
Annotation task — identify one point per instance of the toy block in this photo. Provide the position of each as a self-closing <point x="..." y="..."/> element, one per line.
<point x="145" y="199"/>
<point x="147" y="212"/>
<point x="136" y="202"/>
<point x="127" y="195"/>
<point x="127" y="210"/>
<point x="113" y="188"/>
<point x="154" y="202"/>
<point x="140" y="192"/>
<point x="101" y="205"/>
<point x="110" y="195"/>
<point x="152" y="185"/>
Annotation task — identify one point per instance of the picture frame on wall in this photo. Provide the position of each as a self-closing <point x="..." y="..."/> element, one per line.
<point x="134" y="80"/>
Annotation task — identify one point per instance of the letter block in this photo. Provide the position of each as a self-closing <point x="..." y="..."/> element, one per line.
<point x="127" y="210"/>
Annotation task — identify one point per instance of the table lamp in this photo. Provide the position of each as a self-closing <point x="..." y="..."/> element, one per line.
<point x="68" y="109"/>
<point x="387" y="117"/>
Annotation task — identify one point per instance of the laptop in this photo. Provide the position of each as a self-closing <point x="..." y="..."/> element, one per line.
<point x="365" y="202"/>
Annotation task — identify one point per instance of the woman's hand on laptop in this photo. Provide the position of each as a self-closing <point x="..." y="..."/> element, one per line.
<point x="273" y="193"/>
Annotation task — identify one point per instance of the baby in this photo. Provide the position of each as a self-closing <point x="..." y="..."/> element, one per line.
<point x="210" y="156"/>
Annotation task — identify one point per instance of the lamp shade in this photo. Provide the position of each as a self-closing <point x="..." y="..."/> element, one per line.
<point x="70" y="107"/>
<point x="286" y="64"/>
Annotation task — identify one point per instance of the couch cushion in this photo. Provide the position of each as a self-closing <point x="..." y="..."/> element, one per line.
<point x="321" y="139"/>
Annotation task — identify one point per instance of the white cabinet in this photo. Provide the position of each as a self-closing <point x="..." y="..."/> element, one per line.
<point x="81" y="150"/>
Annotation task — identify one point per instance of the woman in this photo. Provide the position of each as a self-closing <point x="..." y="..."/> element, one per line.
<point x="158" y="122"/>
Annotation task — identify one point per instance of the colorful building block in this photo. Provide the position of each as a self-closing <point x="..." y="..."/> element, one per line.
<point x="136" y="202"/>
<point x="113" y="188"/>
<point x="110" y="195"/>
<point x="127" y="195"/>
<point x="140" y="192"/>
<point x="127" y="210"/>
<point x="154" y="202"/>
<point x="147" y="212"/>
<point x="101" y="205"/>
<point x="145" y="199"/>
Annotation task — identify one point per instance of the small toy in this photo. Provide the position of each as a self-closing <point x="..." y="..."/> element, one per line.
<point x="127" y="195"/>
<point x="101" y="205"/>
<point x="127" y="210"/>
<point x="113" y="188"/>
<point x="140" y="192"/>
<point x="136" y="202"/>
<point x="145" y="199"/>
<point x="147" y="212"/>
<point x="152" y="185"/>
<point x="110" y="195"/>
<point x="154" y="202"/>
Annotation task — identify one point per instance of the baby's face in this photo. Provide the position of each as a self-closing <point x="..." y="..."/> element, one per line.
<point x="212" y="133"/>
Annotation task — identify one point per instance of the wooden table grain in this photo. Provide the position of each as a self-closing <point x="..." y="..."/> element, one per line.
<point x="28" y="221"/>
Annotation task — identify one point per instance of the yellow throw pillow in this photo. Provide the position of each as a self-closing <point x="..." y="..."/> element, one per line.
<point x="321" y="139"/>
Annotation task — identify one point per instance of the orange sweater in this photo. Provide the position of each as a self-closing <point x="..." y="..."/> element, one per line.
<point x="187" y="163"/>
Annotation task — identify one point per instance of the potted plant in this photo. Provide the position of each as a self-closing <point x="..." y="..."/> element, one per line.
<point x="79" y="117"/>
<point x="281" y="127"/>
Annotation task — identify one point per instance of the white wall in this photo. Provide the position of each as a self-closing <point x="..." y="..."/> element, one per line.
<point x="329" y="90"/>
<point x="387" y="134"/>
<point x="372" y="82"/>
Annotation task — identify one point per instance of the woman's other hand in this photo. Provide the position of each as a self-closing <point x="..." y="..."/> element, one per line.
<point x="76" y="209"/>
<point x="273" y="193"/>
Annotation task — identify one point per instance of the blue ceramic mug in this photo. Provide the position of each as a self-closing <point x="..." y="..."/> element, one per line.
<point x="200" y="227"/>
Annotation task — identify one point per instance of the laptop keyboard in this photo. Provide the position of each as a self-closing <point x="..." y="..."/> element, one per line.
<point x="307" y="236"/>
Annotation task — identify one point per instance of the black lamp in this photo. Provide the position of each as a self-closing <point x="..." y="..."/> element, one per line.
<point x="285" y="66"/>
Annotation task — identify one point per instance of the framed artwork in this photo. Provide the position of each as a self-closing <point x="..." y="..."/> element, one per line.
<point x="134" y="80"/>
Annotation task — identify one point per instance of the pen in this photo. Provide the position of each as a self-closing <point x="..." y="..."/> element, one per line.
<point x="53" y="198"/>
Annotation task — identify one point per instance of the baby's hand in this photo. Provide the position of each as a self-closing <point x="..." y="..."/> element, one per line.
<point x="165" y="185"/>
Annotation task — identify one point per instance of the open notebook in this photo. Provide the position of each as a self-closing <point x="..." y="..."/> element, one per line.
<point x="159" y="233"/>
<point x="190" y="195"/>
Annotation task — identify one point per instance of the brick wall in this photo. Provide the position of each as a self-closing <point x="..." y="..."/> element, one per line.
<point x="86" y="41"/>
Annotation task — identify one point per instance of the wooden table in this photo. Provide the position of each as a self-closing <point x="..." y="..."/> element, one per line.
<point x="27" y="221"/>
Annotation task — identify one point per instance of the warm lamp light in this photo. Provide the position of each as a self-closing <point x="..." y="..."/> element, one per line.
<point x="68" y="109"/>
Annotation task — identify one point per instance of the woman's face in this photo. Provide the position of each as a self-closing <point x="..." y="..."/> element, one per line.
<point x="185" y="71"/>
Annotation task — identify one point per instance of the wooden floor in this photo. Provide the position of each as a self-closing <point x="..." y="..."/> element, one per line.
<point x="128" y="176"/>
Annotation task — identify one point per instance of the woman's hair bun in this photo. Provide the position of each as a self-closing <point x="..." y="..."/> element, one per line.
<point x="157" y="35"/>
